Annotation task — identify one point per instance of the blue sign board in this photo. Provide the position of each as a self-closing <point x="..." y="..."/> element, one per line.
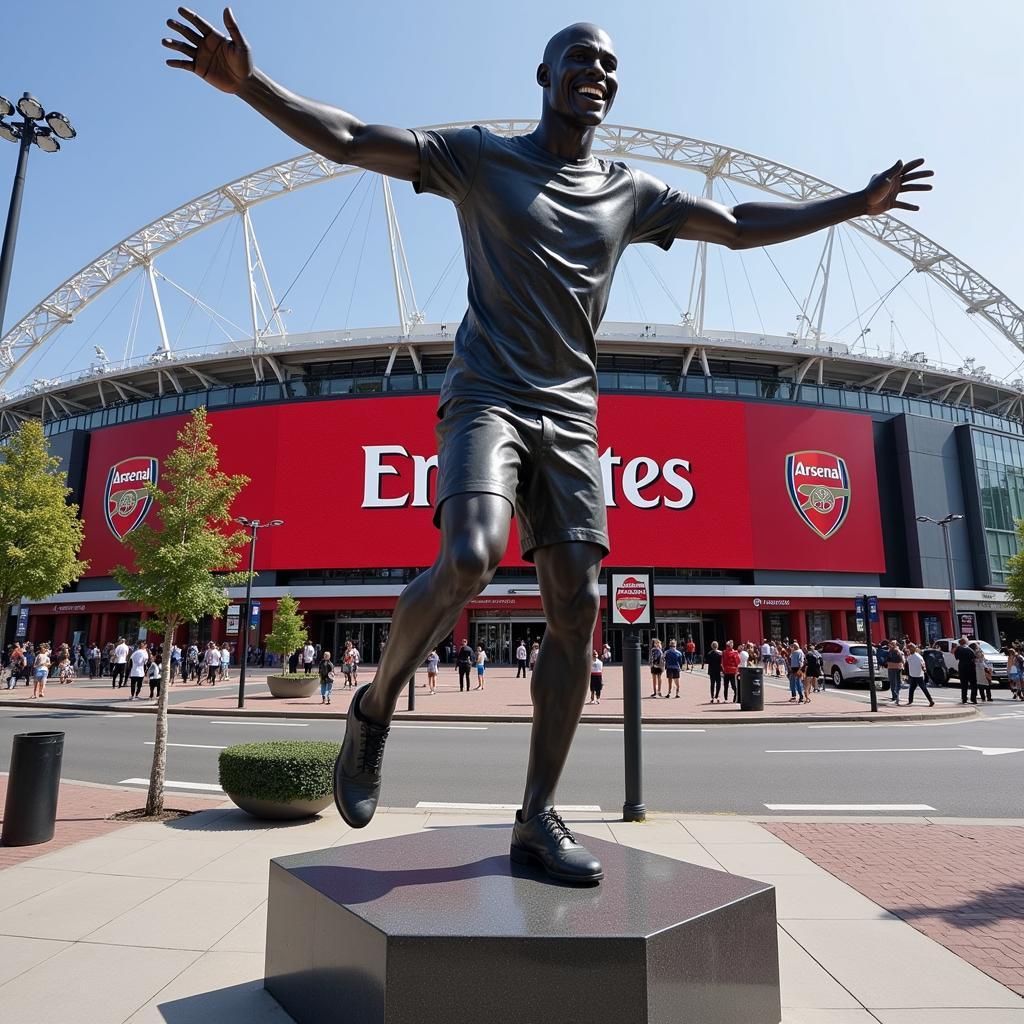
<point x="858" y="607"/>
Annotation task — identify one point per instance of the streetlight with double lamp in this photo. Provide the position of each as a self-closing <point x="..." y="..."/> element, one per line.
<point x="25" y="132"/>
<point x="944" y="523"/>
<point x="254" y="526"/>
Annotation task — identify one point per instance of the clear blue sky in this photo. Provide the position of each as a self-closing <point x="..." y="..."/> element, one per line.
<point x="838" y="89"/>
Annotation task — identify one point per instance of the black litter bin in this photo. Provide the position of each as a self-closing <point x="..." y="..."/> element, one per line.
<point x="935" y="666"/>
<point x="751" y="689"/>
<point x="32" y="789"/>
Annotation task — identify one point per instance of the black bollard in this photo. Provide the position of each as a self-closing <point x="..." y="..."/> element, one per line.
<point x="33" y="787"/>
<point x="412" y="694"/>
<point x="633" y="809"/>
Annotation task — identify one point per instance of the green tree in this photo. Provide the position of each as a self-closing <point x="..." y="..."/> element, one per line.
<point x="1015" y="574"/>
<point x="180" y="559"/>
<point x="40" y="532"/>
<point x="289" y="630"/>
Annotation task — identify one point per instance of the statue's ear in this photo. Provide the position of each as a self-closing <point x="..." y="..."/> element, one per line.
<point x="543" y="76"/>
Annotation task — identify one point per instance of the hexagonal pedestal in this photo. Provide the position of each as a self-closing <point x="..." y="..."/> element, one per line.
<point x="442" y="927"/>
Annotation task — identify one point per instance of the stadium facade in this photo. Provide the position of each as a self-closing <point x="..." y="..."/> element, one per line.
<point x="769" y="480"/>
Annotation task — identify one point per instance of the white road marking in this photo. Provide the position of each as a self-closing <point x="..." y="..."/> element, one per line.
<point x="610" y="728"/>
<point x="867" y="725"/>
<point x="410" y="725"/>
<point x="429" y="805"/>
<point x="209" y="786"/>
<point x="235" y="721"/>
<point x="987" y="751"/>
<point x="849" y="807"/>
<point x="193" y="746"/>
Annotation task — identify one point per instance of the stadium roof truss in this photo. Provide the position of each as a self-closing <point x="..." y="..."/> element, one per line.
<point x="140" y="250"/>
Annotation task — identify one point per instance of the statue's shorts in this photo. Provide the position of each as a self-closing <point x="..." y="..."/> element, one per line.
<point x="545" y="466"/>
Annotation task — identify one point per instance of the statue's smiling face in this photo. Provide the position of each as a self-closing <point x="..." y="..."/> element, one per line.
<point x="579" y="74"/>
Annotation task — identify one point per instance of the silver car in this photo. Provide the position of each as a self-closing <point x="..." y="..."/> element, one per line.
<point x="846" y="663"/>
<point x="998" y="660"/>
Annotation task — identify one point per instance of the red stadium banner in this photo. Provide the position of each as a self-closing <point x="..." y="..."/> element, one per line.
<point x="693" y="483"/>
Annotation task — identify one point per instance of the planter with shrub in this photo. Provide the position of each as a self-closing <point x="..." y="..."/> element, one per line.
<point x="280" y="779"/>
<point x="293" y="684"/>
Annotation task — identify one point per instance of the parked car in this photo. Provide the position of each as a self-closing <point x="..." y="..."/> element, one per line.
<point x="1000" y="667"/>
<point x="846" y="662"/>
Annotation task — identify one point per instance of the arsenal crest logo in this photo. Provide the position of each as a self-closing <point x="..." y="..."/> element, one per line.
<point x="125" y="501"/>
<point x="819" y="487"/>
<point x="631" y="598"/>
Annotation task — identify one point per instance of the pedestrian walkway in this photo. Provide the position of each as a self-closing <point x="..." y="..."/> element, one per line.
<point x="506" y="698"/>
<point x="167" y="922"/>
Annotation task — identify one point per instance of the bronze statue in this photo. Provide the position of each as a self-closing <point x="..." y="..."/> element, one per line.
<point x="544" y="224"/>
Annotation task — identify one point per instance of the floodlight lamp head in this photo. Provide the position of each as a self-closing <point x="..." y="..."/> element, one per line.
<point x="275" y="522"/>
<point x="30" y="108"/>
<point x="6" y="107"/>
<point x="10" y="132"/>
<point x="44" y="139"/>
<point x="242" y="521"/>
<point x="60" y="125"/>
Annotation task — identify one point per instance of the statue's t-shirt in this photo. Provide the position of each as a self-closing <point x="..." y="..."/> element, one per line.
<point x="542" y="238"/>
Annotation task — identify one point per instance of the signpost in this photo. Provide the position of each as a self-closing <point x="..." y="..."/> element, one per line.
<point x="870" y="604"/>
<point x="630" y="606"/>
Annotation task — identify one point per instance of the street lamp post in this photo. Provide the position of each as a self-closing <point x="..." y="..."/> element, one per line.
<point x="24" y="132"/>
<point x="944" y="523"/>
<point x="254" y="526"/>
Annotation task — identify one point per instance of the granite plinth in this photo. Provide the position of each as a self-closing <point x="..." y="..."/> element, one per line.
<point x="442" y="927"/>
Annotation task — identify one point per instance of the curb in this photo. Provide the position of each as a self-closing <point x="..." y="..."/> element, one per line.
<point x="404" y="716"/>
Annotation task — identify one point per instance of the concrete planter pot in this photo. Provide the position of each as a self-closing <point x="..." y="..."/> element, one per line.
<point x="281" y="810"/>
<point x="290" y="686"/>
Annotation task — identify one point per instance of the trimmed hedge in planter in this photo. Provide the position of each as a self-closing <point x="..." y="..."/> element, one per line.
<point x="280" y="778"/>
<point x="293" y="684"/>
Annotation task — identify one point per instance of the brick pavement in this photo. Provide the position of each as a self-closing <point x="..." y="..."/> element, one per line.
<point x="961" y="885"/>
<point x="82" y="813"/>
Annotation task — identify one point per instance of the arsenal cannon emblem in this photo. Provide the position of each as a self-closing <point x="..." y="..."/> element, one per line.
<point x="125" y="501"/>
<point x="819" y="487"/>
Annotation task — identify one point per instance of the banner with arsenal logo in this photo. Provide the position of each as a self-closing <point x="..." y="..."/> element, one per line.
<point x="631" y="597"/>
<point x="690" y="483"/>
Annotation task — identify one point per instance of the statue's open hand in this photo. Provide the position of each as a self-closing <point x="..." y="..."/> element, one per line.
<point x="223" y="62"/>
<point x="884" y="189"/>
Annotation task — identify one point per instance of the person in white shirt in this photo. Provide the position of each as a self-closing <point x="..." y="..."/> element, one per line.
<point x="308" y="656"/>
<point x="521" y="660"/>
<point x="154" y="677"/>
<point x="137" y="671"/>
<point x="119" y="672"/>
<point x="766" y="653"/>
<point x="432" y="661"/>
<point x="212" y="662"/>
<point x="744" y="656"/>
<point x="225" y="663"/>
<point x="917" y="674"/>
<point x="481" y="665"/>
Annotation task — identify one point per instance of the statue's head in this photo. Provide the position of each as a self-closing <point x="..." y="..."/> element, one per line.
<point x="579" y="74"/>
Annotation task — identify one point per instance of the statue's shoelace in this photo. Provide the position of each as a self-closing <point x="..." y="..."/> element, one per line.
<point x="553" y="822"/>
<point x="372" y="753"/>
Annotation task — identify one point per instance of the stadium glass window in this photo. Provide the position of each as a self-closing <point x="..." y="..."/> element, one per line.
<point x="630" y="381"/>
<point x="402" y="382"/>
<point x="246" y="393"/>
<point x="367" y="386"/>
<point x="433" y="381"/>
<point x="696" y="385"/>
<point x="723" y="386"/>
<point x="875" y="402"/>
<point x="809" y="393"/>
<point x="831" y="396"/>
<point x="143" y="410"/>
<point x="273" y="392"/>
<point x="169" y="403"/>
<point x="747" y="388"/>
<point x="221" y="396"/>
<point x="193" y="399"/>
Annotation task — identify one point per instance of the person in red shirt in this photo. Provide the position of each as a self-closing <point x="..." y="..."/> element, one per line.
<point x="730" y="668"/>
<point x="691" y="653"/>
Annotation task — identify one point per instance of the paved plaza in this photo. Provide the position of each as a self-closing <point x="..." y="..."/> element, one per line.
<point x="166" y="922"/>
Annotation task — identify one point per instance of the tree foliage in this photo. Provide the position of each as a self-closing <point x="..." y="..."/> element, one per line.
<point x="1015" y="573"/>
<point x="183" y="557"/>
<point x="40" y="532"/>
<point x="289" y="630"/>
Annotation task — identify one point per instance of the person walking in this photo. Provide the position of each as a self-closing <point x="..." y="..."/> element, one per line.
<point x="966" y="671"/>
<point x="521" y="660"/>
<point x="432" y="662"/>
<point x="894" y="666"/>
<point x="308" y="656"/>
<point x="481" y="665"/>
<point x="730" y="670"/>
<point x="814" y="669"/>
<point x="326" y="669"/>
<point x="796" y="664"/>
<point x="1015" y="672"/>
<point x="40" y="670"/>
<point x="211" y="661"/>
<point x="137" y="669"/>
<point x="346" y="664"/>
<point x="673" y="665"/>
<point x="175" y="662"/>
<point x="534" y="651"/>
<point x="713" y="660"/>
<point x="657" y="660"/>
<point x="94" y="661"/>
<point x="983" y="672"/>
<point x="464" y="660"/>
<point x="596" y="679"/>
<point x="690" y="650"/>
<point x="119" y="674"/>
<point x="917" y="675"/>
<point x="225" y="662"/>
<point x="154" y="677"/>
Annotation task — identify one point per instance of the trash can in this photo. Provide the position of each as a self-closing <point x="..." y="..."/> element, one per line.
<point x="935" y="666"/>
<point x="751" y="689"/>
<point x="33" y="786"/>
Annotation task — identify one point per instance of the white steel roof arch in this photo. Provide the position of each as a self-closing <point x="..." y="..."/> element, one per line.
<point x="139" y="249"/>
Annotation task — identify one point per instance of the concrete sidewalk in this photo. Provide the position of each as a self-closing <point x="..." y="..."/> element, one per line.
<point x="166" y="923"/>
<point x="507" y="699"/>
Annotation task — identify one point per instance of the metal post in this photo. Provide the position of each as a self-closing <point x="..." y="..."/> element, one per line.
<point x="412" y="693"/>
<point x="871" y="653"/>
<point x="13" y="216"/>
<point x="248" y="612"/>
<point x="955" y="624"/>
<point x="633" y="809"/>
